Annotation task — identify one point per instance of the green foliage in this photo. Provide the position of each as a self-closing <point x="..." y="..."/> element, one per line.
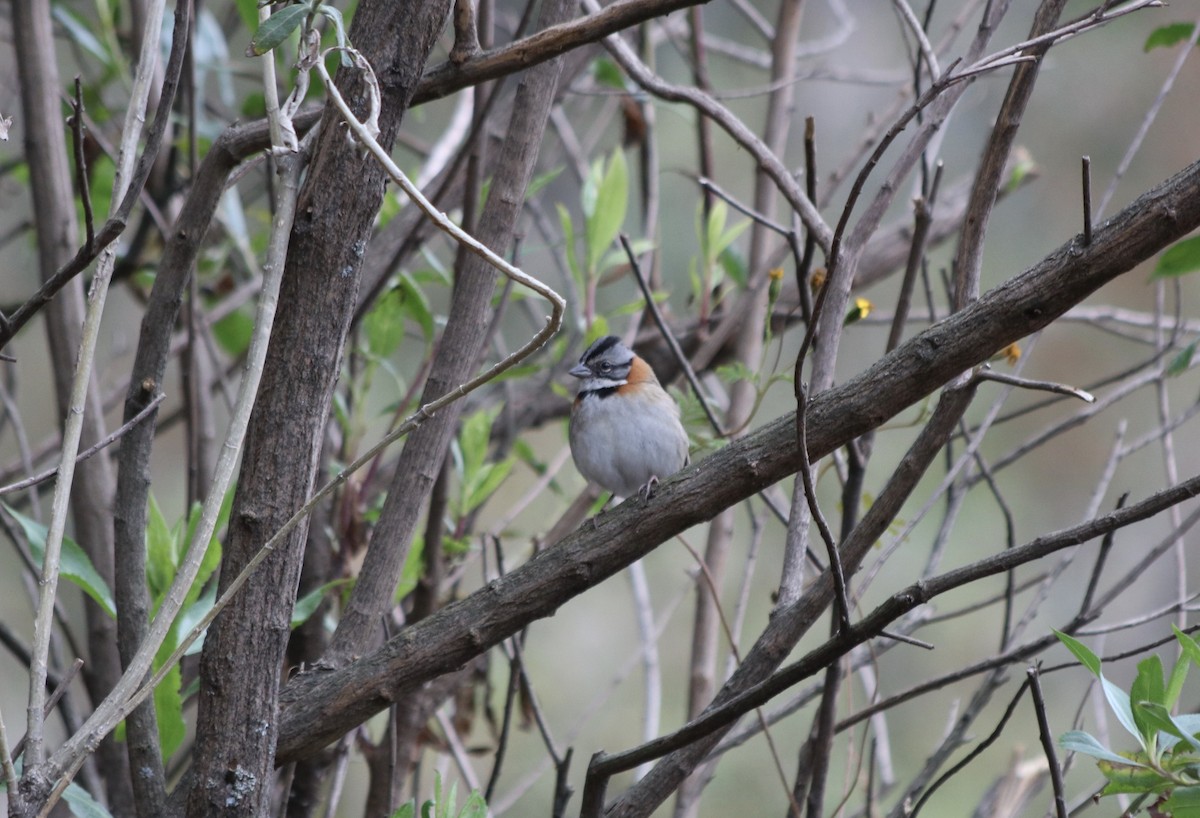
<point x="445" y="805"/>
<point x="1169" y="35"/>
<point x="603" y="201"/>
<point x="273" y="31"/>
<point x="605" y="198"/>
<point x="233" y="332"/>
<point x="166" y="546"/>
<point x="1168" y="761"/>
<point x="716" y="259"/>
<point x="74" y="564"/>
<point x="608" y="74"/>
<point x="307" y="605"/>
<point x="478" y="479"/>
<point x="1182" y="361"/>
<point x="1179" y="259"/>
<point x="276" y="28"/>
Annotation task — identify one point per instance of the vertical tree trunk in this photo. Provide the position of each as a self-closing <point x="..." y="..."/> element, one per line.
<point x="242" y="662"/>
<point x="47" y="153"/>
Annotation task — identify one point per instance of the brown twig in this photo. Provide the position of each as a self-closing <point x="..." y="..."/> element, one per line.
<point x="81" y="175"/>
<point x="91" y="450"/>
<point x="1047" y="739"/>
<point x="1087" y="200"/>
<point x="669" y="337"/>
<point x="975" y="752"/>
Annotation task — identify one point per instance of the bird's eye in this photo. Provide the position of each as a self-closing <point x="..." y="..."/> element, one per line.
<point x="605" y="366"/>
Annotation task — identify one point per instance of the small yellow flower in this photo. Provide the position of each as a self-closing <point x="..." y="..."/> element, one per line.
<point x="1011" y="353"/>
<point x="775" y="274"/>
<point x="817" y="280"/>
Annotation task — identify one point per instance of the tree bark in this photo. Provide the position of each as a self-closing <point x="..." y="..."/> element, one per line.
<point x="242" y="662"/>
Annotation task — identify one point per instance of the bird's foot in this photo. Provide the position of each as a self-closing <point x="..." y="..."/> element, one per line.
<point x="647" y="491"/>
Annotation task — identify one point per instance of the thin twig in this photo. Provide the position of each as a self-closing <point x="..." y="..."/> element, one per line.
<point x="669" y="337"/>
<point x="91" y="450"/>
<point x="1039" y="707"/>
<point x="733" y="649"/>
<point x="81" y="176"/>
<point x="1087" y="199"/>
<point x="987" y="374"/>
<point x="975" y="753"/>
<point x="914" y="25"/>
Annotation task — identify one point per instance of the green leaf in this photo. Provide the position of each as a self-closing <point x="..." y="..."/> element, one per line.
<point x="212" y="556"/>
<point x="383" y="325"/>
<point x="1168" y="35"/>
<point x="161" y="557"/>
<point x="475" y="807"/>
<point x="719" y="238"/>
<point x="1164" y="721"/>
<point x="74" y="564"/>
<point x="606" y="73"/>
<point x="1118" y="700"/>
<point x="1189" y="646"/>
<point x="80" y="33"/>
<point x="233" y="332"/>
<point x="1077" y="741"/>
<point x="82" y="804"/>
<point x="541" y="180"/>
<point x="734" y="265"/>
<point x="1179" y="259"/>
<point x="1022" y="167"/>
<point x="191" y="615"/>
<point x="486" y="481"/>
<point x="474" y="438"/>
<point x="1147" y="688"/>
<point x="276" y="28"/>
<point x="568" y="229"/>
<point x="307" y="605"/>
<point x="1130" y="778"/>
<point x="605" y="218"/>
<point x="168" y="711"/>
<point x="416" y="305"/>
<point x="414" y="566"/>
<point x="406" y="811"/>
<point x="1081" y="652"/>
<point x="1183" y="803"/>
<point x="1181" y="362"/>
<point x="1175" y="684"/>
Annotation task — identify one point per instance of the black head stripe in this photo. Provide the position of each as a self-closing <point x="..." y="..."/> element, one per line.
<point x="599" y="347"/>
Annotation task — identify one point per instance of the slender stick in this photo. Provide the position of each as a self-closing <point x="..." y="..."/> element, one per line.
<point x="1039" y="707"/>
<point x="1087" y="200"/>
<point x="81" y="176"/>
<point x="85" y="454"/>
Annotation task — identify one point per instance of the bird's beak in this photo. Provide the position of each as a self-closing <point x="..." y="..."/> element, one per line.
<point x="581" y="371"/>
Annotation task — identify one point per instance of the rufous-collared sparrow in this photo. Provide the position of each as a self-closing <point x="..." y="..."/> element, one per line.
<point x="625" y="430"/>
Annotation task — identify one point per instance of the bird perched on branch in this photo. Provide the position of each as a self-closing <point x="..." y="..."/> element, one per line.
<point x="625" y="429"/>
